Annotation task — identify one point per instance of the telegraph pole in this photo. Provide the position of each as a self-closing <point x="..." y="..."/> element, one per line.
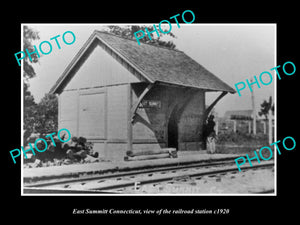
<point x="270" y="126"/>
<point x="253" y="110"/>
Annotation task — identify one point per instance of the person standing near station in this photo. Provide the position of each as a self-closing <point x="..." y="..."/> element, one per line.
<point x="209" y="135"/>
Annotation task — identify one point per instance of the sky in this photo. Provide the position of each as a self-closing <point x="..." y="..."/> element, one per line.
<point x="232" y="52"/>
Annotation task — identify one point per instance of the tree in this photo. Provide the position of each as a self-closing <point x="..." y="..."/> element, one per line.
<point x="41" y="117"/>
<point x="29" y="35"/>
<point x="47" y="114"/>
<point x="265" y="107"/>
<point x="128" y="32"/>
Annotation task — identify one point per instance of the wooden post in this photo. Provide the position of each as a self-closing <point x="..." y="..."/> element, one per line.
<point x="129" y="118"/>
<point x="254" y="126"/>
<point x="265" y="126"/>
<point x="253" y="112"/>
<point x="270" y="127"/>
<point x="78" y="113"/>
<point x="234" y="126"/>
<point x="249" y="126"/>
<point x="217" y="127"/>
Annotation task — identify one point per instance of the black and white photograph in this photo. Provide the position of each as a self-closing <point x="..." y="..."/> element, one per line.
<point x="166" y="109"/>
<point x="127" y="111"/>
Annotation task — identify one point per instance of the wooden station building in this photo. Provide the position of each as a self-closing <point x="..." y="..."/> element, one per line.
<point x="123" y="96"/>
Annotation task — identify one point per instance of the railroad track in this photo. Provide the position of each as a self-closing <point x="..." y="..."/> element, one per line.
<point x="118" y="182"/>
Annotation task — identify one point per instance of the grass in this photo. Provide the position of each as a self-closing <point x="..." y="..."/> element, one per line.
<point x="240" y="143"/>
<point x="232" y="138"/>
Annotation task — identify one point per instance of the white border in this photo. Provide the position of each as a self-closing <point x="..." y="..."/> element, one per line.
<point x="175" y="195"/>
<point x="22" y="110"/>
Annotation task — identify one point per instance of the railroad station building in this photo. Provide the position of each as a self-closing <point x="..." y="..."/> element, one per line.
<point x="123" y="96"/>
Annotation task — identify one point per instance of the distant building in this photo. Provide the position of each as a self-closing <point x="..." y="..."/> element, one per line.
<point x="239" y="115"/>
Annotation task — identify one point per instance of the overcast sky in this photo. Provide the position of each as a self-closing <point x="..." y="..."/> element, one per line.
<point x="233" y="52"/>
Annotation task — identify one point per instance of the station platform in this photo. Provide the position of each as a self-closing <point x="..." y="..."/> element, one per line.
<point x="75" y="170"/>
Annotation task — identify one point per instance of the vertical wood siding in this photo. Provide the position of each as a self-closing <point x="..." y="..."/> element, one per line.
<point x="68" y="111"/>
<point x="92" y="115"/>
<point x="117" y="112"/>
<point x="100" y="69"/>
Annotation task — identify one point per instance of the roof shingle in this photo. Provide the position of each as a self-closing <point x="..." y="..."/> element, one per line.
<point x="160" y="64"/>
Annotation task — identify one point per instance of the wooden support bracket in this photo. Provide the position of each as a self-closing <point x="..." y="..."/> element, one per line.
<point x="207" y="111"/>
<point x="141" y="97"/>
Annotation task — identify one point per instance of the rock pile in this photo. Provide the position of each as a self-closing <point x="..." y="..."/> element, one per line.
<point x="77" y="150"/>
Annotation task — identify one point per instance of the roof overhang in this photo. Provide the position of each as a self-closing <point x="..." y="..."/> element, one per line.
<point x="94" y="40"/>
<point x="82" y="54"/>
<point x="174" y="84"/>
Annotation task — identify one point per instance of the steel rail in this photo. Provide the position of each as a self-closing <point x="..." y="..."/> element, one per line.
<point x="108" y="189"/>
<point x="131" y="173"/>
<point x="170" y="178"/>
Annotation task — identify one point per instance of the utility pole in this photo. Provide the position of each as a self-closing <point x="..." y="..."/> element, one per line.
<point x="253" y="110"/>
<point x="270" y="126"/>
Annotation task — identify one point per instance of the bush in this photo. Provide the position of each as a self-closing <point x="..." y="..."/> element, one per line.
<point x="41" y="117"/>
<point x="242" y="138"/>
<point x="59" y="151"/>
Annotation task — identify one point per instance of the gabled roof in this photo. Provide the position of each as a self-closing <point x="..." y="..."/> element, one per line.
<point x="154" y="63"/>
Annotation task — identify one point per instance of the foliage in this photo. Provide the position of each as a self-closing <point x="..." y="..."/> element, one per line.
<point x="265" y="107"/>
<point x="30" y="111"/>
<point x="41" y="117"/>
<point x="29" y="35"/>
<point x="28" y="98"/>
<point x="57" y="153"/>
<point x="240" y="117"/>
<point x="47" y="114"/>
<point x="241" y="138"/>
<point x="128" y="32"/>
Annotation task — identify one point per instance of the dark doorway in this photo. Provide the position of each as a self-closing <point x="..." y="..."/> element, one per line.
<point x="173" y="130"/>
